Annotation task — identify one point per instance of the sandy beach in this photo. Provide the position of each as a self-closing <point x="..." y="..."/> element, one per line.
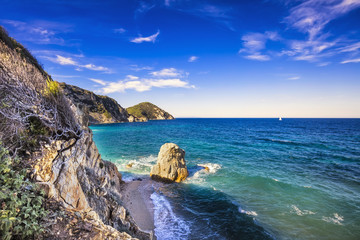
<point x="136" y="197"/>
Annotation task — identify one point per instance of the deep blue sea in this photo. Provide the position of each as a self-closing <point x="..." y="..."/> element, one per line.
<point x="268" y="179"/>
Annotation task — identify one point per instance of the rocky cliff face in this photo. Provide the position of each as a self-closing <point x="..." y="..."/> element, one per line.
<point x="101" y="109"/>
<point x="49" y="132"/>
<point x="73" y="173"/>
<point x="148" y="111"/>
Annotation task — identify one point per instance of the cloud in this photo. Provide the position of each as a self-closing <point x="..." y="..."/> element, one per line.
<point x="356" y="60"/>
<point x="167" y="72"/>
<point x="132" y="77"/>
<point x="145" y="85"/>
<point x="137" y="68"/>
<point x="95" y="68"/>
<point x="193" y="59"/>
<point x="311" y="16"/>
<point x="151" y="38"/>
<point x="258" y="57"/>
<point x="99" y="81"/>
<point x="79" y="67"/>
<point x="294" y="78"/>
<point x="119" y="30"/>
<point x="39" y="32"/>
<point x="255" y="43"/>
<point x="350" y="48"/>
<point x="323" y="64"/>
<point x="143" y="8"/>
<point x="65" y="61"/>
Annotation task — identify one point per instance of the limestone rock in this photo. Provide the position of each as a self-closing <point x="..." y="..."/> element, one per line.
<point x="170" y="166"/>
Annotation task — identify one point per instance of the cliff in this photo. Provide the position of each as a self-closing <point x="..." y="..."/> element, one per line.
<point x="48" y="131"/>
<point x="148" y="111"/>
<point x="101" y="109"/>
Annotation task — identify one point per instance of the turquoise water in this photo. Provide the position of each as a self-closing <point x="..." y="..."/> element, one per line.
<point x="290" y="179"/>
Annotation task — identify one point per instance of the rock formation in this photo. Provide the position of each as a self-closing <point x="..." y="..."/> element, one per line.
<point x="101" y="109"/>
<point x="50" y="134"/>
<point x="170" y="166"/>
<point x="147" y="111"/>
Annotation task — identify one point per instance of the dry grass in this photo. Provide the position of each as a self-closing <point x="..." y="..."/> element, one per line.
<point x="32" y="108"/>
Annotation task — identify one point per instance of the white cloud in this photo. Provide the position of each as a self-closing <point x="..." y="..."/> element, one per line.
<point x="145" y="85"/>
<point x="323" y="64"/>
<point x="193" y="59"/>
<point x="132" y="77"/>
<point x="350" y="48"/>
<point x="69" y="61"/>
<point x="137" y="68"/>
<point x="255" y="43"/>
<point x="151" y="38"/>
<point x="95" y="68"/>
<point x="119" y="30"/>
<point x="99" y="81"/>
<point x="356" y="60"/>
<point x="65" y="61"/>
<point x="167" y="72"/>
<point x="294" y="78"/>
<point x="311" y="16"/>
<point x="39" y="32"/>
<point x="258" y="57"/>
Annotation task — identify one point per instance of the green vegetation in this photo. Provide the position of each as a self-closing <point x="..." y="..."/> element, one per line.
<point x="21" y="203"/>
<point x="148" y="110"/>
<point x="107" y="114"/>
<point x="52" y="88"/>
<point x="144" y="109"/>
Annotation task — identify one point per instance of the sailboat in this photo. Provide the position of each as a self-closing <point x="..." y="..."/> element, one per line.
<point x="280" y="119"/>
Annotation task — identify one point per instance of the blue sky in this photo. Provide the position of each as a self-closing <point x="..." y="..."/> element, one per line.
<point x="201" y="58"/>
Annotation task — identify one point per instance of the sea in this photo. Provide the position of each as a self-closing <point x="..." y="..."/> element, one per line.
<point x="266" y="179"/>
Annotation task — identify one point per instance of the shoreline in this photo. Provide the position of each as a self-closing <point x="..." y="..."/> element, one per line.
<point x="136" y="199"/>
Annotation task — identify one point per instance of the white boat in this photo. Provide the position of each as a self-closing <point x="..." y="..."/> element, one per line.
<point x="280" y="119"/>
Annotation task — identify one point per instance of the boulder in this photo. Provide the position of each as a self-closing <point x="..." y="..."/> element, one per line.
<point x="170" y="166"/>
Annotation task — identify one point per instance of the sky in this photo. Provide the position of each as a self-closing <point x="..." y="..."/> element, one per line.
<point x="203" y="58"/>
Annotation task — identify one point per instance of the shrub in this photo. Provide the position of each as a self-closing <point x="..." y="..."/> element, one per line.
<point x="20" y="201"/>
<point x="52" y="88"/>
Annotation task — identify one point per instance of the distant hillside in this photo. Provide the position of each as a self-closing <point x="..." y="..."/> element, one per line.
<point x="102" y="109"/>
<point x="148" y="111"/>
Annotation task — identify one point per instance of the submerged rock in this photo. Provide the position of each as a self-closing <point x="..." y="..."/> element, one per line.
<point x="170" y="166"/>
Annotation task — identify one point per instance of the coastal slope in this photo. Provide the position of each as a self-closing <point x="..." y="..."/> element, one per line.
<point x="101" y="109"/>
<point x="48" y="132"/>
<point x="148" y="111"/>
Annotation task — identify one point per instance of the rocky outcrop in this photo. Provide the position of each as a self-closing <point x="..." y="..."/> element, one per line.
<point x="170" y="166"/>
<point x="72" y="172"/>
<point x="57" y="148"/>
<point x="101" y="109"/>
<point x="147" y="111"/>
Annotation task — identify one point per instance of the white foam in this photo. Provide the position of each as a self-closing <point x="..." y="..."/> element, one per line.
<point x="337" y="219"/>
<point x="275" y="179"/>
<point x="212" y="167"/>
<point x="208" y="168"/>
<point x="167" y="224"/>
<point x="299" y="212"/>
<point x="250" y="213"/>
<point x="142" y="165"/>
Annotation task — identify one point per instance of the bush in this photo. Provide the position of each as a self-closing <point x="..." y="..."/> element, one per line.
<point x="20" y="202"/>
<point x="52" y="88"/>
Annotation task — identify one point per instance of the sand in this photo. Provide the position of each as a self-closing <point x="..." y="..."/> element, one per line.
<point x="136" y="198"/>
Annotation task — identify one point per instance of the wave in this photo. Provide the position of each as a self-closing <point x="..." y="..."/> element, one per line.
<point x="167" y="224"/>
<point x="250" y="213"/>
<point x="141" y="165"/>
<point x="299" y="212"/>
<point x="201" y="171"/>
<point x="337" y="219"/>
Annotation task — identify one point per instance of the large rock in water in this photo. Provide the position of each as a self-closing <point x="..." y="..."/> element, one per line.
<point x="170" y="166"/>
